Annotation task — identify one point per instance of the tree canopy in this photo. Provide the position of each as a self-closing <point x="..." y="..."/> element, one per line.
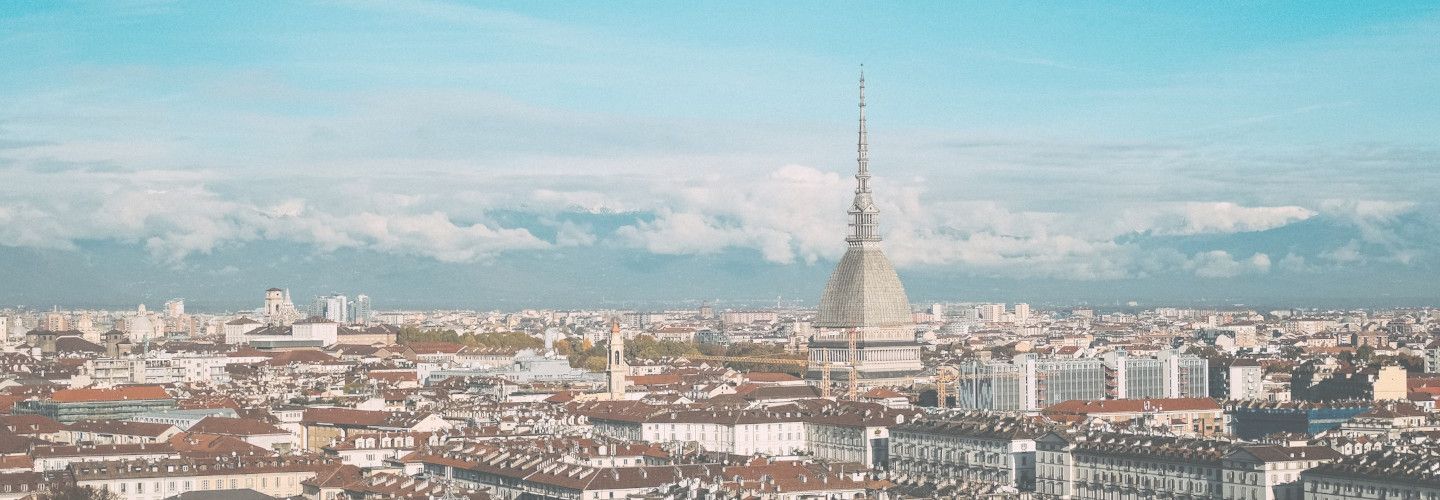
<point x="506" y="340"/>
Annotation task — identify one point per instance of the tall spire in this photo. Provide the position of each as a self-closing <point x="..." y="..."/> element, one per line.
<point x="862" y="212"/>
<point x="863" y="146"/>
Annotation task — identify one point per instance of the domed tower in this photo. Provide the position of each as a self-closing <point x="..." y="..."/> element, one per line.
<point x="864" y="298"/>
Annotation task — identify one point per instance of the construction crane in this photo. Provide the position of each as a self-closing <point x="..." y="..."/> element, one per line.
<point x="803" y="363"/>
<point x="944" y="376"/>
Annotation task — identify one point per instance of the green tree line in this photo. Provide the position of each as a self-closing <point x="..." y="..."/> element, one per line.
<point x="583" y="354"/>
<point x="507" y="340"/>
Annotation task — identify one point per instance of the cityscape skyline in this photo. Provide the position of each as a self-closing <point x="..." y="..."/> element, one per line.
<point x="446" y="249"/>
<point x="1265" y="163"/>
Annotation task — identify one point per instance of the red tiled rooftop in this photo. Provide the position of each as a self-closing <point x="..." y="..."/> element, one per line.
<point x="129" y="393"/>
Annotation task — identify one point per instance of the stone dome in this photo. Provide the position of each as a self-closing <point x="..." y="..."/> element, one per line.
<point x="141" y="328"/>
<point x="864" y="291"/>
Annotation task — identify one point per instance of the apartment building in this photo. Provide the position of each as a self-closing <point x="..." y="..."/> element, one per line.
<point x="1113" y="466"/>
<point x="1388" y="474"/>
<point x="161" y="479"/>
<point x="971" y="447"/>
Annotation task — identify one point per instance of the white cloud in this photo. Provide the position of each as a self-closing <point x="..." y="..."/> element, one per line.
<point x="796" y="213"/>
<point x="1295" y="263"/>
<point x="1349" y="253"/>
<point x="570" y="234"/>
<point x="1220" y="264"/>
<point x="176" y="219"/>
<point x="1224" y="218"/>
<point x="792" y="214"/>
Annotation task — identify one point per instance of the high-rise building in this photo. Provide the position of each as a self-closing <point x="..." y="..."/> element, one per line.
<point x="991" y="312"/>
<point x="362" y="311"/>
<point x="1245" y="380"/>
<point x="864" y="319"/>
<point x="174" y="308"/>
<point x="1022" y="312"/>
<point x="332" y="307"/>
<point x="56" y="321"/>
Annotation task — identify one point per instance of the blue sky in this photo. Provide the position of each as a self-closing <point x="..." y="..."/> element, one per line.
<point x="1274" y="153"/>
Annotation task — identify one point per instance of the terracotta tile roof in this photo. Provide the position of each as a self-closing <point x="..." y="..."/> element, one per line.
<point x="657" y="379"/>
<point x="1272" y="453"/>
<point x="127" y="393"/>
<point x="14" y="444"/>
<point x="349" y="417"/>
<point x="338" y="477"/>
<point x="343" y="416"/>
<point x="227" y="426"/>
<point x="16" y="462"/>
<point x="770" y="377"/>
<point x="101" y="449"/>
<point x="121" y="427"/>
<point x="882" y="393"/>
<point x="76" y="345"/>
<point x="195" y="444"/>
<point x="782" y="392"/>
<point x="30" y="424"/>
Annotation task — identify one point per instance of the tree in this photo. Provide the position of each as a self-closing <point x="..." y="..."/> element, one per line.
<point x="504" y="340"/>
<point x="564" y="347"/>
<point x="410" y="334"/>
<point x="588" y="356"/>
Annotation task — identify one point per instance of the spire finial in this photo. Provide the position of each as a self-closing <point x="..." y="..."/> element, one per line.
<point x="862" y="212"/>
<point x="863" y="146"/>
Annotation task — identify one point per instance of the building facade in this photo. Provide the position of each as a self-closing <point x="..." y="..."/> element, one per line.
<point x="1031" y="383"/>
<point x="974" y="448"/>
<point x="1110" y="466"/>
<point x="71" y="405"/>
<point x="1390" y="474"/>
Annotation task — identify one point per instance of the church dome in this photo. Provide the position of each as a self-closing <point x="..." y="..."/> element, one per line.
<point x="864" y="291"/>
<point x="141" y="327"/>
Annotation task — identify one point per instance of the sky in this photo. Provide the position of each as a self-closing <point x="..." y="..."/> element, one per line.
<point x="659" y="154"/>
